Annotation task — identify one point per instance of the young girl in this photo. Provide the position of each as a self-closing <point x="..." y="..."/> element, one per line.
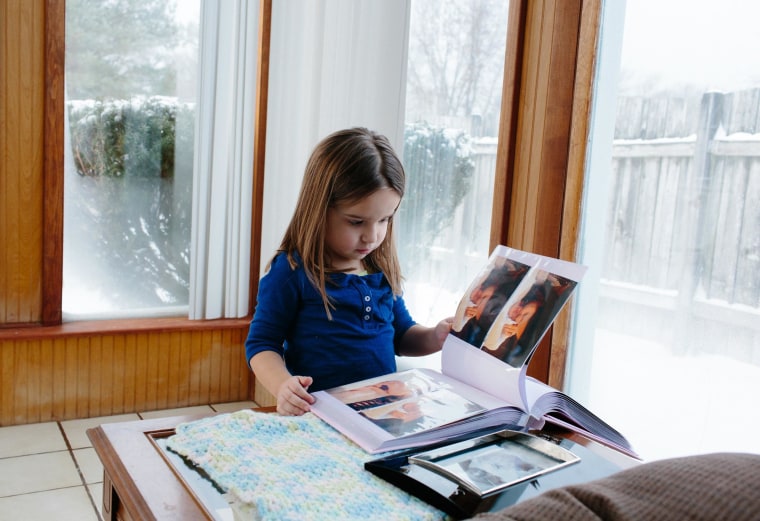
<point x="329" y="310"/>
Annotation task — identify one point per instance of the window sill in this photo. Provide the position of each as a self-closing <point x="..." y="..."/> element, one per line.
<point x="90" y="327"/>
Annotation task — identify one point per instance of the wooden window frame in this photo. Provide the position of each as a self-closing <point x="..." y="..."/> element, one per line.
<point x="53" y="173"/>
<point x="546" y="104"/>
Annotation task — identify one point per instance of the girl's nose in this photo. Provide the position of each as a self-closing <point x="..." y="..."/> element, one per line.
<point x="371" y="234"/>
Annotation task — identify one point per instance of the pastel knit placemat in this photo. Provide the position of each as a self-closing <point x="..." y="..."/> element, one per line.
<point x="285" y="467"/>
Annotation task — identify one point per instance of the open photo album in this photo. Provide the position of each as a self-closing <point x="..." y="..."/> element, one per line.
<point x="482" y="385"/>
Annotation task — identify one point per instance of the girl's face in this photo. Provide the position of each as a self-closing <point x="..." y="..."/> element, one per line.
<point x="392" y="388"/>
<point x="483" y="297"/>
<point x="353" y="231"/>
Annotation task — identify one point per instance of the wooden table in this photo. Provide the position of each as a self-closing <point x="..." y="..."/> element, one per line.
<point x="141" y="484"/>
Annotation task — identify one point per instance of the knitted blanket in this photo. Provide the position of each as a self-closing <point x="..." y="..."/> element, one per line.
<point x="292" y="468"/>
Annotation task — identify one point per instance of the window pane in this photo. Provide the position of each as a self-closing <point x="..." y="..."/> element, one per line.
<point x="676" y="355"/>
<point x="130" y="93"/>
<point x="454" y="82"/>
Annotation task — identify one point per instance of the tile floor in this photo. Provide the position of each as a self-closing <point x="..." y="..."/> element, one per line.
<point x="50" y="470"/>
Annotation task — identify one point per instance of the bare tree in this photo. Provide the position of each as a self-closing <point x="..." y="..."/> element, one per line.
<point x="456" y="57"/>
<point x="120" y="48"/>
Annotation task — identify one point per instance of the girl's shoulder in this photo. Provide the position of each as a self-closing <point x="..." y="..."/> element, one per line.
<point x="281" y="267"/>
<point x="282" y="259"/>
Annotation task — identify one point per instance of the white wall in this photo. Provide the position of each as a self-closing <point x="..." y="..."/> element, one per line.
<point x="333" y="64"/>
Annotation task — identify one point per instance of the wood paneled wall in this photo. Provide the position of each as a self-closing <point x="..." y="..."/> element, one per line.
<point x="78" y="370"/>
<point x="47" y="377"/>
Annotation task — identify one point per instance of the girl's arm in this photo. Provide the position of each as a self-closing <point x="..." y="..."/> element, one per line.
<point x="277" y="300"/>
<point x="420" y="340"/>
<point x="292" y="394"/>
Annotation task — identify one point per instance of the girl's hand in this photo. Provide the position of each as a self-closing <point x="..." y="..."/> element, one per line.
<point x="292" y="396"/>
<point x="442" y="330"/>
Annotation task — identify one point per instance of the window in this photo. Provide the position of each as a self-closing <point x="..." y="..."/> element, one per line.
<point x="161" y="108"/>
<point x="668" y="341"/>
<point x="453" y="100"/>
<point x="131" y="68"/>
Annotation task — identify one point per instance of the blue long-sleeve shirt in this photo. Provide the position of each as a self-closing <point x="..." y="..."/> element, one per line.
<point x="358" y="343"/>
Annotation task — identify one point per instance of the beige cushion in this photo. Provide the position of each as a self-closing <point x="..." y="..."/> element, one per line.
<point x="705" y="487"/>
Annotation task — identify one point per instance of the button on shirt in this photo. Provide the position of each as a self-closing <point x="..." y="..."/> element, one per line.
<point x="360" y="341"/>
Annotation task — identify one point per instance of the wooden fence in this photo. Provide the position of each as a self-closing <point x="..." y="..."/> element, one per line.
<point x="683" y="223"/>
<point x="440" y="267"/>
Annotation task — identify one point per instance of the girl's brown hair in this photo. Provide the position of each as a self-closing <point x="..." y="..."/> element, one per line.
<point x="344" y="168"/>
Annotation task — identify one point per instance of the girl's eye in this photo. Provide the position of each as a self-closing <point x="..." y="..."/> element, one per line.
<point x="354" y="223"/>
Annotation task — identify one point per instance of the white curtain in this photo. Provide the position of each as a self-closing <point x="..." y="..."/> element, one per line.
<point x="223" y="162"/>
<point x="333" y="64"/>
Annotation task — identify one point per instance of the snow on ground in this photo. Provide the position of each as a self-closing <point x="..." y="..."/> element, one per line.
<point x="669" y="405"/>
